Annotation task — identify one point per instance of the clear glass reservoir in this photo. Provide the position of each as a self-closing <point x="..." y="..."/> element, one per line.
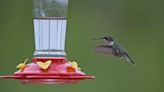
<point x="50" y="27"/>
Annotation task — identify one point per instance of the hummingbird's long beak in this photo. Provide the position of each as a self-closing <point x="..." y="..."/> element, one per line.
<point x="98" y="38"/>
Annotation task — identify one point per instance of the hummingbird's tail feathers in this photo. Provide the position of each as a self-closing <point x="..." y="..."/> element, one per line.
<point x="128" y="58"/>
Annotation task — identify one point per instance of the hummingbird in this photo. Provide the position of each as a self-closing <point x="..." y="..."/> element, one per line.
<point x="113" y="49"/>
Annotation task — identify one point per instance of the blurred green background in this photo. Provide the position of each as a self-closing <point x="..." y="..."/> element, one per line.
<point x="138" y="25"/>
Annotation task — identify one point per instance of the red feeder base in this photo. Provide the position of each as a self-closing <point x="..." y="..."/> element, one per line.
<point x="57" y="73"/>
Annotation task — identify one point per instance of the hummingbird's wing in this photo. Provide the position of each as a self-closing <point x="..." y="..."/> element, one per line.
<point x="109" y="50"/>
<point x="104" y="49"/>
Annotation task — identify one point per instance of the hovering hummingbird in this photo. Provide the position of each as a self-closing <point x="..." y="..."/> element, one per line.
<point x="114" y="49"/>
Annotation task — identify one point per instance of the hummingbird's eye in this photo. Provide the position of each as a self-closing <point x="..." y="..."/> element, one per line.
<point x="105" y="38"/>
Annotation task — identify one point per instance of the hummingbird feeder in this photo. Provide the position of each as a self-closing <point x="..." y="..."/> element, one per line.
<point x="49" y="64"/>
